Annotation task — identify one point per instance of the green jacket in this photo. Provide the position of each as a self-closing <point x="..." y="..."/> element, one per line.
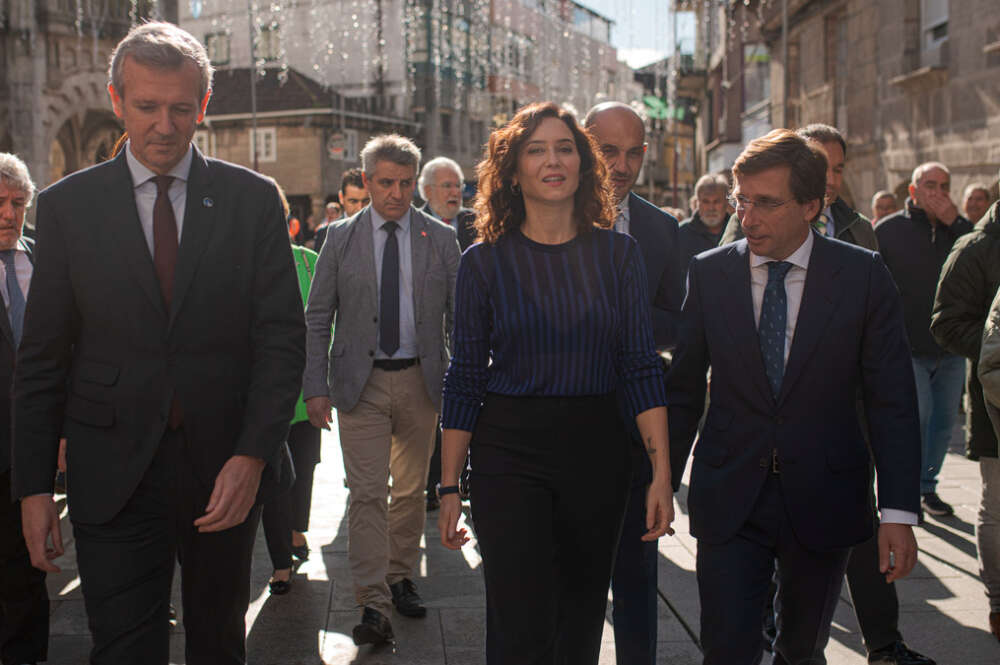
<point x="305" y="266"/>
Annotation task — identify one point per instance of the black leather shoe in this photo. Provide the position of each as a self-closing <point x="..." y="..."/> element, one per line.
<point x="406" y="600"/>
<point x="897" y="653"/>
<point x="280" y="587"/>
<point x="373" y="629"/>
<point x="933" y="505"/>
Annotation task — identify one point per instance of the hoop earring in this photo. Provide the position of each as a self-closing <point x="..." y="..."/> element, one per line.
<point x="515" y="189"/>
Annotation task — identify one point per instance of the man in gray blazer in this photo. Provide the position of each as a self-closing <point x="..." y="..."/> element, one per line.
<point x="387" y="277"/>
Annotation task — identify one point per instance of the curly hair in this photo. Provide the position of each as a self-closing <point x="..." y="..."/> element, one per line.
<point x="499" y="209"/>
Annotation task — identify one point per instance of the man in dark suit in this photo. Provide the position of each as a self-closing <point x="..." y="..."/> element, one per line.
<point x="353" y="196"/>
<point x="440" y="185"/>
<point x="164" y="339"/>
<point x="781" y="467"/>
<point x="621" y="139"/>
<point x="24" y="601"/>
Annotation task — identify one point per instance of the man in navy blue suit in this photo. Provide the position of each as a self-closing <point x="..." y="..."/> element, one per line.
<point x="621" y="140"/>
<point x="781" y="467"/>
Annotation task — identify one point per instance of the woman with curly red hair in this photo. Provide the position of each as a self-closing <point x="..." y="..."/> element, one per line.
<point x="550" y="320"/>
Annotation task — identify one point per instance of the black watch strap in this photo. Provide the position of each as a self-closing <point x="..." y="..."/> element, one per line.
<point x="444" y="490"/>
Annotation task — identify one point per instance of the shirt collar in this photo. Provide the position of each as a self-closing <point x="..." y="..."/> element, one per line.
<point x="799" y="258"/>
<point x="141" y="174"/>
<point x="378" y="220"/>
<point x="623" y="208"/>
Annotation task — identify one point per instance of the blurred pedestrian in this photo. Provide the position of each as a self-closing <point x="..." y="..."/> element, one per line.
<point x="703" y="230"/>
<point x="976" y="201"/>
<point x="883" y="204"/>
<point x="383" y="372"/>
<point x="621" y="141"/>
<point x="914" y="243"/>
<point x="440" y="185"/>
<point x="171" y="374"/>
<point x="988" y="526"/>
<point x="24" y="600"/>
<point x="551" y="314"/>
<point x="285" y="515"/>
<point x="353" y="196"/>
<point x="780" y="471"/>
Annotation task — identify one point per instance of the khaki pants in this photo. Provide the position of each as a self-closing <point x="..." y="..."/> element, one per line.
<point x="390" y="432"/>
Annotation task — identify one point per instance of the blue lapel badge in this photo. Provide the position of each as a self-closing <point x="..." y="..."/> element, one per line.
<point x="208" y="202"/>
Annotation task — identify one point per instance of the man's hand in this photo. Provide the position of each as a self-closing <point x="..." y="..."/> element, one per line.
<point x="659" y="510"/>
<point x="39" y="520"/>
<point x="941" y="206"/>
<point x="897" y="551"/>
<point x="319" y="409"/>
<point x="451" y="536"/>
<point x="233" y="495"/>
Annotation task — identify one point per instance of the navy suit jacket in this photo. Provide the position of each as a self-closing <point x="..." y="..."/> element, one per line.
<point x="849" y="341"/>
<point x="656" y="233"/>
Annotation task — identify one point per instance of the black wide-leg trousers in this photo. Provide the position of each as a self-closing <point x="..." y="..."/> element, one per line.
<point x="550" y="478"/>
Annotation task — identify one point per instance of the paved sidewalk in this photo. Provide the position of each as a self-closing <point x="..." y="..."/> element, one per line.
<point x="944" y="612"/>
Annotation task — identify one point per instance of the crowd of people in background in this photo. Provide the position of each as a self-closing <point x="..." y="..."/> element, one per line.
<point x="542" y="349"/>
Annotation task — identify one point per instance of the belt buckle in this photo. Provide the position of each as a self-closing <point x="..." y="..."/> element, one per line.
<point x="775" y="468"/>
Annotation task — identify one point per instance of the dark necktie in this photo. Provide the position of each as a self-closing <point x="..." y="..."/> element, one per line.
<point x="15" y="308"/>
<point x="164" y="238"/>
<point x="773" y="321"/>
<point x="388" y="330"/>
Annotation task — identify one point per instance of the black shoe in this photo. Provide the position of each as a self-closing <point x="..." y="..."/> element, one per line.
<point x="933" y="504"/>
<point x="897" y="653"/>
<point x="280" y="587"/>
<point x="373" y="629"/>
<point x="301" y="552"/>
<point x="406" y="600"/>
<point x="433" y="503"/>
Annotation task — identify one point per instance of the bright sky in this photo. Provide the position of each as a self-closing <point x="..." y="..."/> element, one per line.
<point x="643" y="31"/>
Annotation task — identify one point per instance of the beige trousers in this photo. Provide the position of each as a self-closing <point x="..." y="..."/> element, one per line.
<point x="390" y="432"/>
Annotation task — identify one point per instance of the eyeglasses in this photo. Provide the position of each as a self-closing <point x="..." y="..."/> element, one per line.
<point x="742" y="203"/>
<point x="448" y="185"/>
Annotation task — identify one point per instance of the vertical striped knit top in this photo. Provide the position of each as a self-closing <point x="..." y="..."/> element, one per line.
<point x="551" y="320"/>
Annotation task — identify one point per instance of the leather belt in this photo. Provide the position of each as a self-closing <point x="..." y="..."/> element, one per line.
<point x="395" y="364"/>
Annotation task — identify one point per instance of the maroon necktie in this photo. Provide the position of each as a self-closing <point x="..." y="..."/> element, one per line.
<point x="447" y="221"/>
<point x="164" y="238"/>
<point x="165" y="260"/>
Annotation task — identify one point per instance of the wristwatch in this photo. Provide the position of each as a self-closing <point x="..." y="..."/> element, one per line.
<point x="444" y="490"/>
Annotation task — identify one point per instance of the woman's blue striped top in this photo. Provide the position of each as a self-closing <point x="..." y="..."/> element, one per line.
<point x="551" y="320"/>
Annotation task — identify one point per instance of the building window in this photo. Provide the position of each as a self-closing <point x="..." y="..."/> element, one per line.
<point x="756" y="75"/>
<point x="267" y="144"/>
<point x="933" y="32"/>
<point x="217" y="45"/>
<point x="205" y="142"/>
<point x="446" y="125"/>
<point x="269" y="43"/>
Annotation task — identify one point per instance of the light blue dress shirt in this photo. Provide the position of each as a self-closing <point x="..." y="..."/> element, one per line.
<point x="407" y="326"/>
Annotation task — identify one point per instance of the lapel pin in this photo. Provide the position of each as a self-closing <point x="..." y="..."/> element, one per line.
<point x="208" y="202"/>
<point x="423" y="233"/>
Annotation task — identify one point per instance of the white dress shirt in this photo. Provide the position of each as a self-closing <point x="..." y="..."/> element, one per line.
<point x="22" y="264"/>
<point x="407" y="326"/>
<point x="144" y="189"/>
<point x="622" y="220"/>
<point x="795" y="282"/>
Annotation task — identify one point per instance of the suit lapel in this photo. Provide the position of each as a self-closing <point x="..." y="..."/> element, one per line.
<point x="819" y="302"/>
<point x="366" y="251"/>
<point x="647" y="245"/>
<point x="738" y="304"/>
<point x="126" y="236"/>
<point x="199" y="220"/>
<point x="419" y="251"/>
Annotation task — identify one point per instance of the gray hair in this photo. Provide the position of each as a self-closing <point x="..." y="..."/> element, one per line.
<point x="711" y="182"/>
<point x="976" y="187"/>
<point x="430" y="170"/>
<point x="162" y="46"/>
<point x="389" y="148"/>
<point x="881" y="194"/>
<point x="14" y="173"/>
<point x="919" y="172"/>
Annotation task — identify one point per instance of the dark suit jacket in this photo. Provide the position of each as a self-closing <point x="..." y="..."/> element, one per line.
<point x="102" y="358"/>
<point x="7" y="354"/>
<point x="843" y="344"/>
<point x="462" y="224"/>
<point x="656" y="233"/>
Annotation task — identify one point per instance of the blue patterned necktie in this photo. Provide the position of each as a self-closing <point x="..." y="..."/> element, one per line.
<point x="15" y="308"/>
<point x="389" y="299"/>
<point x="773" y="321"/>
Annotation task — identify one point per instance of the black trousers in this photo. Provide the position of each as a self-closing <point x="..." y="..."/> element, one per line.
<point x="24" y="601"/>
<point x="875" y="603"/>
<point x="633" y="586"/>
<point x="287" y="511"/>
<point x="127" y="565"/>
<point x="733" y="582"/>
<point x="549" y="483"/>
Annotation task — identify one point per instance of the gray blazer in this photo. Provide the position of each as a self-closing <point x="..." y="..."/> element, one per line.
<point x="343" y="295"/>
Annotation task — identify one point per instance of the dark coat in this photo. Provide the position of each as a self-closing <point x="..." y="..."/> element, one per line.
<point x="656" y="233"/>
<point x="915" y="251"/>
<point x="842" y="345"/>
<point x="969" y="281"/>
<point x="102" y="358"/>
<point x="849" y="226"/>
<point x="464" y="228"/>
<point x="7" y="354"/>
<point x="693" y="238"/>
